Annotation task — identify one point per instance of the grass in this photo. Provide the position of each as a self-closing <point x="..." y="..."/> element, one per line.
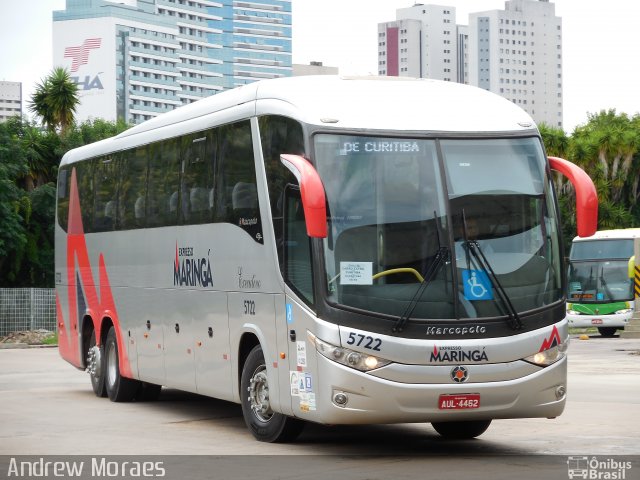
<point x="52" y="340"/>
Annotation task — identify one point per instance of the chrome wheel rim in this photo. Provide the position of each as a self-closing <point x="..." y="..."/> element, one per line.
<point x="259" y="394"/>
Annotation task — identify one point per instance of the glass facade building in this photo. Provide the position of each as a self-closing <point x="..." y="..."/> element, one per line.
<point x="156" y="55"/>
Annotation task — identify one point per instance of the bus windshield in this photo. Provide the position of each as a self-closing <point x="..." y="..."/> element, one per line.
<point x="599" y="281"/>
<point x="598" y="270"/>
<point x="396" y="204"/>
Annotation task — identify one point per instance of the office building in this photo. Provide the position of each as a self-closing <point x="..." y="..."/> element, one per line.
<point x="10" y="100"/>
<point x="515" y="52"/>
<point x="135" y="59"/>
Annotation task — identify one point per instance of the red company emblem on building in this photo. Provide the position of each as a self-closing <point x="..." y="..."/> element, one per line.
<point x="80" y="54"/>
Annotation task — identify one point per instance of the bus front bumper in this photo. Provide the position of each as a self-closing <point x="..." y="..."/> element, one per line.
<point x="370" y="399"/>
<point x="618" y="320"/>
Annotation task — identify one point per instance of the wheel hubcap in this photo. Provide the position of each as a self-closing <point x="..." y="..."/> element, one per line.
<point x="259" y="394"/>
<point x="94" y="362"/>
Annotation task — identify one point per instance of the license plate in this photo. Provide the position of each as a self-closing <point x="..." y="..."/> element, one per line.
<point x="459" y="402"/>
<point x="596" y="321"/>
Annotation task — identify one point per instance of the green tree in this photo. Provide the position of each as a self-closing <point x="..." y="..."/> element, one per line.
<point x="13" y="205"/>
<point x="55" y="100"/>
<point x="607" y="148"/>
<point x="29" y="159"/>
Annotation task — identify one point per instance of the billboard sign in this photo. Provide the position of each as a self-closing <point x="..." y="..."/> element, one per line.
<point x="86" y="48"/>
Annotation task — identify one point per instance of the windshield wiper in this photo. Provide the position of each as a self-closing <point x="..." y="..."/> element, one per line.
<point x="514" y="319"/>
<point x="441" y="256"/>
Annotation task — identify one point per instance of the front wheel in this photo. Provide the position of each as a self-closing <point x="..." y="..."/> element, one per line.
<point x="265" y="424"/>
<point x="461" y="430"/>
<point x="607" y="331"/>
<point x="119" y="388"/>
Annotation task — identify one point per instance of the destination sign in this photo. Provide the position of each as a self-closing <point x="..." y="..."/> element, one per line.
<point x="380" y="146"/>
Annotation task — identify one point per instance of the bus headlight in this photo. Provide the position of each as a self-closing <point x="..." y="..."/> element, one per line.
<point x="573" y="312"/>
<point x="549" y="356"/>
<point x="345" y="356"/>
<point x="624" y="311"/>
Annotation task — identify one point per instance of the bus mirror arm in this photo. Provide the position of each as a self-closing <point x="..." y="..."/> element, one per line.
<point x="312" y="194"/>
<point x="586" y="195"/>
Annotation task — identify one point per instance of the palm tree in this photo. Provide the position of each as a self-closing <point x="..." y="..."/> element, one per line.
<point x="55" y="100"/>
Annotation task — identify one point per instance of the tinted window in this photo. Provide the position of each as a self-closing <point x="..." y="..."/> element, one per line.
<point x="163" y="184"/>
<point x="595" y="249"/>
<point x="279" y="135"/>
<point x="105" y="200"/>
<point x="64" y="181"/>
<point x="197" y="190"/>
<point x="297" y="250"/>
<point x="236" y="194"/>
<point x="132" y="201"/>
<point x="84" y="178"/>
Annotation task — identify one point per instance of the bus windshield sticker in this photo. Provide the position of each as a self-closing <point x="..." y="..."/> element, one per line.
<point x="302" y="353"/>
<point x="356" y="273"/>
<point x="477" y="285"/>
<point x="293" y="375"/>
<point x="307" y="401"/>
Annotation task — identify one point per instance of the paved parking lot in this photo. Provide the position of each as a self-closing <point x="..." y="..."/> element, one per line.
<point x="48" y="408"/>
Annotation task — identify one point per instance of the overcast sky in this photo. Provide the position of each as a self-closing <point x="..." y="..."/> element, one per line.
<point x="600" y="44"/>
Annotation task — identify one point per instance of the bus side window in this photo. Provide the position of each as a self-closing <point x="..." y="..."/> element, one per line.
<point x="64" y="181"/>
<point x="105" y="200"/>
<point x="163" y="184"/>
<point x="196" y="180"/>
<point x="279" y="135"/>
<point x="236" y="200"/>
<point x="297" y="246"/>
<point x="133" y="186"/>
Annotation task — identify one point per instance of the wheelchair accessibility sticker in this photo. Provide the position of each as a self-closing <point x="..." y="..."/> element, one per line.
<point x="477" y="285"/>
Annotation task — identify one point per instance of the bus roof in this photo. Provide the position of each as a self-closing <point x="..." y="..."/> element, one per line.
<point x="374" y="103"/>
<point x="620" y="233"/>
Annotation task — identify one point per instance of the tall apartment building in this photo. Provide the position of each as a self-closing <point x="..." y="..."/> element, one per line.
<point x="421" y="42"/>
<point x="135" y="59"/>
<point x="10" y="100"/>
<point x="515" y="52"/>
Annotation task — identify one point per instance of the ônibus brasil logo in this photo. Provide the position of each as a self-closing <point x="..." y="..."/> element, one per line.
<point x="189" y="271"/>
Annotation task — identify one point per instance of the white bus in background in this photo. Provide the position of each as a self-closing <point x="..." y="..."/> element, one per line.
<point x="323" y="249"/>
<point x="601" y="280"/>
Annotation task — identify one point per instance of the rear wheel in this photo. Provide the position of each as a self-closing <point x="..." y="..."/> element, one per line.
<point x="265" y="424"/>
<point x="119" y="388"/>
<point x="461" y="430"/>
<point x="607" y="331"/>
<point x="96" y="366"/>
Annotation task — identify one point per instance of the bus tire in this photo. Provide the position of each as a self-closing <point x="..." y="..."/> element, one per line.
<point x="96" y="367"/>
<point x="607" y="331"/>
<point x="119" y="388"/>
<point x="461" y="430"/>
<point x="265" y="424"/>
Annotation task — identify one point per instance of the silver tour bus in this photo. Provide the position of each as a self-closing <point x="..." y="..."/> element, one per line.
<point x="323" y="249"/>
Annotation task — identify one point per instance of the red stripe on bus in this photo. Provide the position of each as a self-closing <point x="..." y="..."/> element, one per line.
<point x="100" y="308"/>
